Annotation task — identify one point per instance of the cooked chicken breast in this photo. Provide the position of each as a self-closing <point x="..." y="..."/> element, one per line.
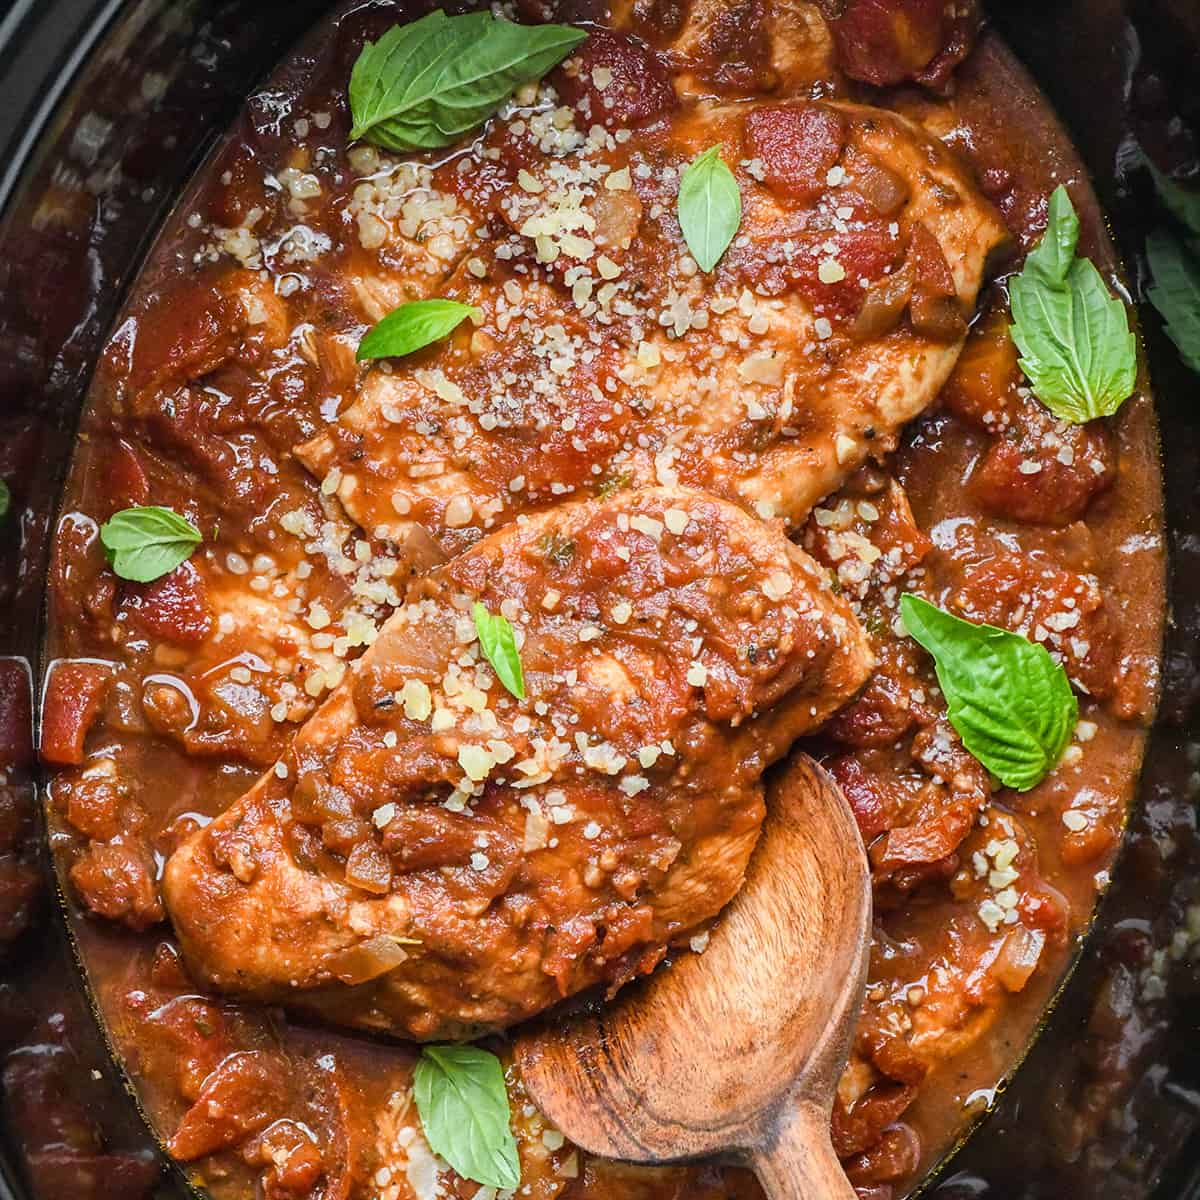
<point x="602" y="357"/>
<point x="435" y="857"/>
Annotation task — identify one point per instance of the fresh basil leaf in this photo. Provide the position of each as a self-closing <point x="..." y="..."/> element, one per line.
<point x="1182" y="203"/>
<point x="5" y="499"/>
<point x="1176" y="292"/>
<point x="1010" y="702"/>
<point x="413" y="325"/>
<point x="1076" y="345"/>
<point x="425" y="84"/>
<point x="499" y="647"/>
<point x="463" y="1105"/>
<point x="146" y="543"/>
<point x="1051" y="258"/>
<point x="709" y="207"/>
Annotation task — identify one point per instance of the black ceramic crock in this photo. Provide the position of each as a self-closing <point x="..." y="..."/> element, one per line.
<point x="115" y="102"/>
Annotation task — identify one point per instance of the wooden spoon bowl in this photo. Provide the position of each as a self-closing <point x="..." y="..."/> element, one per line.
<point x="735" y="1052"/>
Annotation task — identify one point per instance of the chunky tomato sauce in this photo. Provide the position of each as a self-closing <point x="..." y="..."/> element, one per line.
<point x="225" y="393"/>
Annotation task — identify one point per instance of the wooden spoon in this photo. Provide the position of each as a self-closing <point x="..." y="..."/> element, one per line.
<point x="737" y="1051"/>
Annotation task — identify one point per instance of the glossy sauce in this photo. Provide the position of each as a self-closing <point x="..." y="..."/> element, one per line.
<point x="238" y="446"/>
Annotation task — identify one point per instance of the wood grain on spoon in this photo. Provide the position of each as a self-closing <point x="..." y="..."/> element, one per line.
<point x="737" y="1051"/>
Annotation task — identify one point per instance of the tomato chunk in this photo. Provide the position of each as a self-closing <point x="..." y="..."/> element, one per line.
<point x="240" y="1097"/>
<point x="889" y="41"/>
<point x="174" y="607"/>
<point x="1045" y="472"/>
<point x="615" y="81"/>
<point x="797" y="144"/>
<point x="75" y="694"/>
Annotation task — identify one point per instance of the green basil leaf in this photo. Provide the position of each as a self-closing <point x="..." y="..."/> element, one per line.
<point x="463" y="1105"/>
<point x="1182" y="203"/>
<point x="1010" y="702"/>
<point x="425" y="84"/>
<point x="1076" y="345"/>
<point x="5" y="499"/>
<point x="499" y="647"/>
<point x="413" y="325"/>
<point x="146" y="543"/>
<point x="1051" y="258"/>
<point x="709" y="207"/>
<point x="1176" y="293"/>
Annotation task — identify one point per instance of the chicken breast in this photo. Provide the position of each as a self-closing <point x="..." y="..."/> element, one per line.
<point x="602" y="357"/>
<point x="435" y="857"/>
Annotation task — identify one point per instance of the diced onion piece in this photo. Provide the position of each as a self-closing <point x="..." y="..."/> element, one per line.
<point x="883" y="306"/>
<point x="367" y="867"/>
<point x="1019" y="957"/>
<point x="368" y="960"/>
<point x="882" y="188"/>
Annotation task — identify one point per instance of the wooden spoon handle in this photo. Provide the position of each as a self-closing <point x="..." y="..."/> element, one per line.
<point x="799" y="1164"/>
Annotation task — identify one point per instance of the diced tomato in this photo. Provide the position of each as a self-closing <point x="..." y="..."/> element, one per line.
<point x="1046" y="908"/>
<point x="864" y="251"/>
<point x="293" y="1160"/>
<point x="186" y="1037"/>
<point x="117" y="881"/>
<point x="863" y="246"/>
<point x="75" y="693"/>
<point x="122" y="482"/>
<point x="94" y="807"/>
<point x="1064" y="611"/>
<point x="242" y="1096"/>
<point x="880" y="716"/>
<point x="929" y="842"/>
<point x="189" y="332"/>
<point x="615" y="81"/>
<point x="873" y="803"/>
<point x="895" y="1155"/>
<point x="857" y="1128"/>
<point x="889" y="41"/>
<point x="1043" y="475"/>
<point x="175" y="607"/>
<point x="797" y="144"/>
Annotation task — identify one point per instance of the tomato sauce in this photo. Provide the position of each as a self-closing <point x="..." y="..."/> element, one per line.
<point x="1003" y="515"/>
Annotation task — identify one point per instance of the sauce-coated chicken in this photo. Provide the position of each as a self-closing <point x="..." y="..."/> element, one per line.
<point x="435" y="858"/>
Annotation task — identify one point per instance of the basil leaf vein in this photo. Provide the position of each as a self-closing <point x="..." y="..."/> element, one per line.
<point x="413" y="325"/>
<point x="499" y="646"/>
<point x="709" y="207"/>
<point x="425" y="84"/>
<point x="463" y="1105"/>
<point x="147" y="542"/>
<point x="1175" y="292"/>
<point x="1076" y="345"/>
<point x="1009" y="701"/>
